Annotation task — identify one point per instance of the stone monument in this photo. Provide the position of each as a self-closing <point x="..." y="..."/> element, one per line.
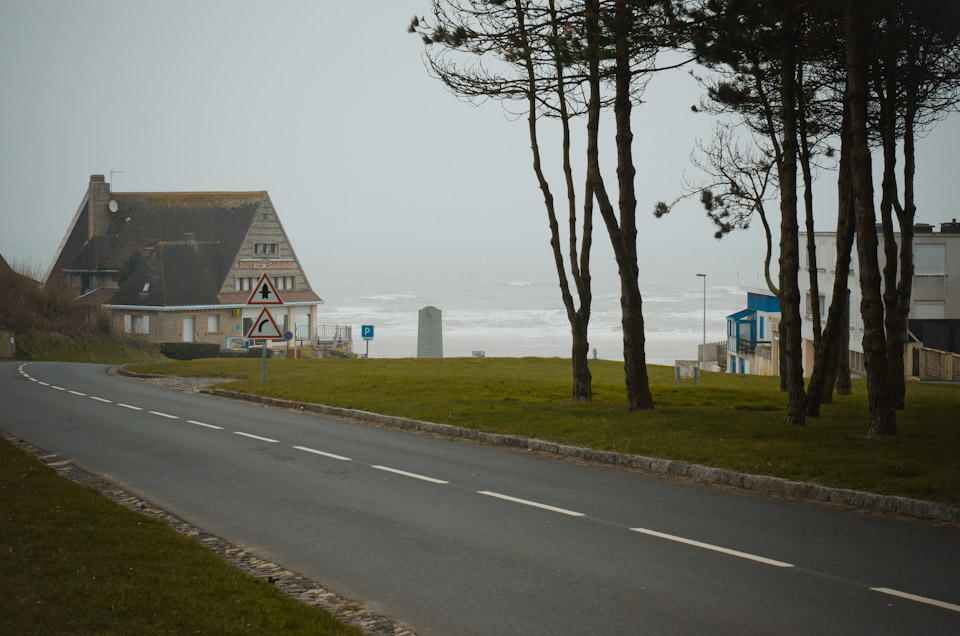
<point x="430" y="333"/>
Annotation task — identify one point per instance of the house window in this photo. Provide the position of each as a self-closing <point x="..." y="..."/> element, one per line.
<point x="930" y="309"/>
<point x="213" y="323"/>
<point x="930" y="260"/>
<point x="265" y="249"/>
<point x="283" y="282"/>
<point x="127" y="323"/>
<point x="141" y="324"/>
<point x="809" y="307"/>
<point x="246" y="283"/>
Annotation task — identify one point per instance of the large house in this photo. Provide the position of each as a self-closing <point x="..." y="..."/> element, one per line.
<point x="180" y="266"/>
<point x="935" y="297"/>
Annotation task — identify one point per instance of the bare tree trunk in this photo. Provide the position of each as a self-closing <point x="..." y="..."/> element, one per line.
<point x="887" y="92"/>
<point x="579" y="318"/>
<point x="844" y="386"/>
<point x="623" y="233"/>
<point x="906" y="217"/>
<point x="781" y="356"/>
<point x="825" y="365"/>
<point x="882" y="415"/>
<point x="808" y="209"/>
<point x="826" y="362"/>
<point x="789" y="248"/>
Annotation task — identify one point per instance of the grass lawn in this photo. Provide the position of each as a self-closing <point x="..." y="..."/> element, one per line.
<point x="730" y="421"/>
<point x="74" y="562"/>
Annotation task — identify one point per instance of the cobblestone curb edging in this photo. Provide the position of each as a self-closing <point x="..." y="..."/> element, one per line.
<point x="807" y="491"/>
<point x="290" y="583"/>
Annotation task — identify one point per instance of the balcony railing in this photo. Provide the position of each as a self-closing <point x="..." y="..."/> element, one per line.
<point x="748" y="347"/>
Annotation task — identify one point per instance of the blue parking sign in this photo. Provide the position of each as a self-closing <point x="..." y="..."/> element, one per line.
<point x="366" y="332"/>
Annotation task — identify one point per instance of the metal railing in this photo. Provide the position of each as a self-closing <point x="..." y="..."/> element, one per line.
<point x="334" y="334"/>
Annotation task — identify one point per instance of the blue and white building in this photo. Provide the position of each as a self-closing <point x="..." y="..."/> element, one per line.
<point x="753" y="335"/>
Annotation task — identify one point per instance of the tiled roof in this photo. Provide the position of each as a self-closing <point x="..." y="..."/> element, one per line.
<point x="143" y="219"/>
<point x="180" y="273"/>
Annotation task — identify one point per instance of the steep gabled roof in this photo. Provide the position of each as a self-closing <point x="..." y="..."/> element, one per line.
<point x="143" y="219"/>
<point x="177" y="273"/>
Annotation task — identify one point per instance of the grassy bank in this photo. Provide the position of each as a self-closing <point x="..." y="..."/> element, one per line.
<point x="76" y="563"/>
<point x="731" y="421"/>
<point x="85" y="348"/>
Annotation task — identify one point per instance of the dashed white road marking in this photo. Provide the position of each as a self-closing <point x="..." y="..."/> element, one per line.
<point x="527" y="502"/>
<point x="78" y="393"/>
<point x="32" y="379"/>
<point x="127" y="406"/>
<point x="219" y="428"/>
<point x="262" y="439"/>
<point x="58" y="388"/>
<point x="172" y="417"/>
<point x="319" y="452"/>
<point x="919" y="599"/>
<point x="44" y="384"/>
<point x="715" y="548"/>
<point x="414" y="475"/>
<point x="100" y="399"/>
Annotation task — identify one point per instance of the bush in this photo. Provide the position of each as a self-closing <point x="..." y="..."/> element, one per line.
<point x="190" y="350"/>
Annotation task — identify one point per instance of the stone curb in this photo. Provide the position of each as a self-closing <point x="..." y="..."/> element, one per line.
<point x="290" y="583"/>
<point x="806" y="491"/>
<point x="134" y="374"/>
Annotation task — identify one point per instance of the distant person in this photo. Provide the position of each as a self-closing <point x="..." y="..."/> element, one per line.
<point x="594" y="353"/>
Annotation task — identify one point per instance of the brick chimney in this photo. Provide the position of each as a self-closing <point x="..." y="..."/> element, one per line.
<point x="98" y="200"/>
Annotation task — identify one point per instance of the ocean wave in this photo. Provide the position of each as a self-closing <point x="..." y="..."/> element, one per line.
<point x="389" y="297"/>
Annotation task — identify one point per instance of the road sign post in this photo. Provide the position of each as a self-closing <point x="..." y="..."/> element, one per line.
<point x="366" y="332"/>
<point x="264" y="327"/>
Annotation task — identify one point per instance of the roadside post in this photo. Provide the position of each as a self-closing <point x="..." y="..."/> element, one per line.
<point x="264" y="327"/>
<point x="366" y="332"/>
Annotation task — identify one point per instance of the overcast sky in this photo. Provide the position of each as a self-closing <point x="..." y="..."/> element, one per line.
<point x="371" y="163"/>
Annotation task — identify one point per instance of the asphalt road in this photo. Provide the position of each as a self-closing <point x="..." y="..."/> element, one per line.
<point x="454" y="538"/>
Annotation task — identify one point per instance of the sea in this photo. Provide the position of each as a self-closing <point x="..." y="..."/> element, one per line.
<point x="501" y="314"/>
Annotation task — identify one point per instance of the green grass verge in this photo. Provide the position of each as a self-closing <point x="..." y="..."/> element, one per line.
<point x="74" y="562"/>
<point x="730" y="421"/>
<point x="86" y="348"/>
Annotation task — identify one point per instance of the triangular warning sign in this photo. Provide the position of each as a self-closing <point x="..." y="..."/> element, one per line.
<point x="264" y="327"/>
<point x="265" y="293"/>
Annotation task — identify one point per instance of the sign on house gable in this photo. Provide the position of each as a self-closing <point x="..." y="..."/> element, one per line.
<point x="266" y="247"/>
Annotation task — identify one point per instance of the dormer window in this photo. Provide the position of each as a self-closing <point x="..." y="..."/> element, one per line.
<point x="146" y="287"/>
<point x="265" y="249"/>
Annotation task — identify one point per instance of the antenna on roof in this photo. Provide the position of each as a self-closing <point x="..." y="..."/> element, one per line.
<point x="113" y="171"/>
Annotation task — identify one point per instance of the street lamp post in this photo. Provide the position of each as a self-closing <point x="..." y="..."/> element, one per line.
<point x="703" y="356"/>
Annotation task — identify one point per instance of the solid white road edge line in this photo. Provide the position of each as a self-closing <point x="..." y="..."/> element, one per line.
<point x="715" y="548"/>
<point x="127" y="406"/>
<point x="414" y="475"/>
<point x="78" y="393"/>
<point x="172" y="417"/>
<point x="919" y="599"/>
<point x="527" y="502"/>
<point x="99" y="399"/>
<point x="218" y="428"/>
<point x="319" y="452"/>
<point x="262" y="439"/>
